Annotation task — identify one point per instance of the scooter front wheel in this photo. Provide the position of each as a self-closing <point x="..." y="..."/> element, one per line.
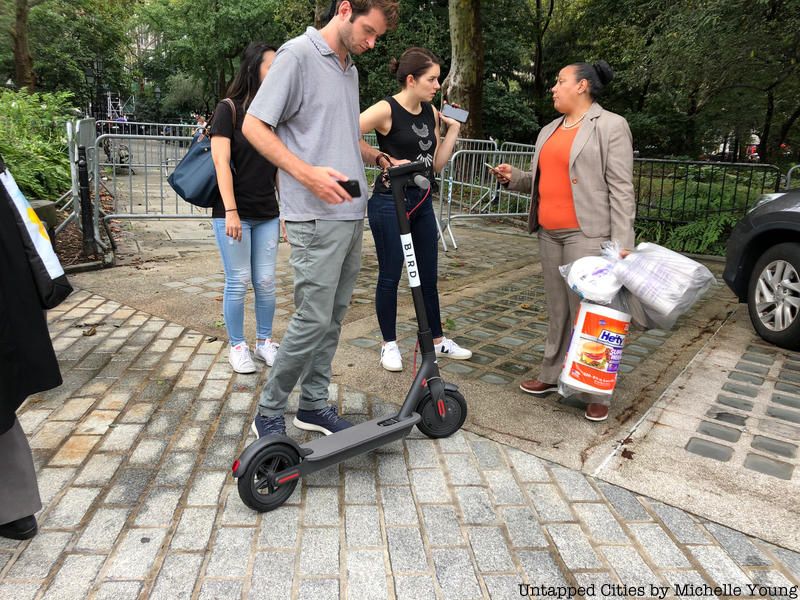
<point x="257" y="487"/>
<point x="455" y="413"/>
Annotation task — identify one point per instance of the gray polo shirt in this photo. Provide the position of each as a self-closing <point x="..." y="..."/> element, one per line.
<point x="312" y="104"/>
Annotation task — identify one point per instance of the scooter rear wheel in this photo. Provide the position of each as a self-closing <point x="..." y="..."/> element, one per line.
<point x="256" y="488"/>
<point x="431" y="423"/>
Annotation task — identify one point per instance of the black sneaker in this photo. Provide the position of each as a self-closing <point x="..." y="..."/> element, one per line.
<point x="268" y="425"/>
<point x="325" y="420"/>
<point x="21" y="529"/>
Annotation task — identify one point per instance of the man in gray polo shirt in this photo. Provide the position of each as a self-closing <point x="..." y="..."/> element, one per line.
<point x="304" y="119"/>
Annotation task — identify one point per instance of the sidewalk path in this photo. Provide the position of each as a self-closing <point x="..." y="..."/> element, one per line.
<point x="133" y="454"/>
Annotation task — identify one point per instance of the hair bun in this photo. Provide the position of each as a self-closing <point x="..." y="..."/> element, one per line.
<point x="394" y="64"/>
<point x="604" y="72"/>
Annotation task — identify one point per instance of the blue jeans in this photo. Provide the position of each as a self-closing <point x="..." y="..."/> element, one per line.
<point x="391" y="265"/>
<point x="252" y="259"/>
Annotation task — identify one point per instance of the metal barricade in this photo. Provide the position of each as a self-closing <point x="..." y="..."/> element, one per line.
<point x="516" y="147"/>
<point x="145" y="128"/>
<point x="469" y="190"/>
<point x="789" y="175"/>
<point x="134" y="170"/>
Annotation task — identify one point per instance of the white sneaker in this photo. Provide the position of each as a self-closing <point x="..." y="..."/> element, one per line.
<point x="266" y="352"/>
<point x="390" y="357"/>
<point x="450" y="349"/>
<point x="239" y="357"/>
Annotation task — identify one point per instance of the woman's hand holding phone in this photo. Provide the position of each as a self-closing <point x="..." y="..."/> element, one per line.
<point x="501" y="172"/>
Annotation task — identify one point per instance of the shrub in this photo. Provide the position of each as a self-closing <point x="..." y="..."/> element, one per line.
<point x="33" y="141"/>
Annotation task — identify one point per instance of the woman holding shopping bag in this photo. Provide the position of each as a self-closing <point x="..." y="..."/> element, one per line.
<point x="581" y="186"/>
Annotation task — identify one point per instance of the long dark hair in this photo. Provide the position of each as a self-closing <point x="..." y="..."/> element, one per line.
<point x="245" y="83"/>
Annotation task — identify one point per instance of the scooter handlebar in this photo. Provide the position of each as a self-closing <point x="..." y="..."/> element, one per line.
<point x="405" y="169"/>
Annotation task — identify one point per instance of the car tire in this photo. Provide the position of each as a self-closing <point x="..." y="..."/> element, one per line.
<point x="773" y="296"/>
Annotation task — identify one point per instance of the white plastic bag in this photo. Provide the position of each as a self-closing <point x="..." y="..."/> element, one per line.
<point x="592" y="278"/>
<point x="665" y="282"/>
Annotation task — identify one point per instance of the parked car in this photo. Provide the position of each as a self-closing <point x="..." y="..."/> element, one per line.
<point x="763" y="267"/>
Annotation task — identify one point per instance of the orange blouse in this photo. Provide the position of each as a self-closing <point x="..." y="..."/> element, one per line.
<point x="556" y="205"/>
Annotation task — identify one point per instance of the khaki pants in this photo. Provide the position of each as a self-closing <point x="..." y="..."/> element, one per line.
<point x="326" y="257"/>
<point x="557" y="248"/>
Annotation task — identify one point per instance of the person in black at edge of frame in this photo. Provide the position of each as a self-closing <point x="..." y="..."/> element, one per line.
<point x="27" y="365"/>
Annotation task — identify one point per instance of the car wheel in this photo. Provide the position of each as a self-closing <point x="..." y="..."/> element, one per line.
<point x="773" y="297"/>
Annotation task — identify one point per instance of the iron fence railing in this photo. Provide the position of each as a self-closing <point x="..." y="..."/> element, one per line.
<point x="676" y="191"/>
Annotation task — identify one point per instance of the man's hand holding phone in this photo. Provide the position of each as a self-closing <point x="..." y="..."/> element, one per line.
<point x="501" y="172"/>
<point x="324" y="184"/>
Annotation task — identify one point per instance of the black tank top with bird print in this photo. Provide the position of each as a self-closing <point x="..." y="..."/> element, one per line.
<point x="412" y="137"/>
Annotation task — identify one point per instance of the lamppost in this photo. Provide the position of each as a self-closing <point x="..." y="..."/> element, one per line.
<point x="157" y="92"/>
<point x="90" y="80"/>
<point x="98" y="80"/>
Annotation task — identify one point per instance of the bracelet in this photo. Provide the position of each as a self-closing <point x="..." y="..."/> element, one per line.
<point x="382" y="155"/>
<point x="227" y="210"/>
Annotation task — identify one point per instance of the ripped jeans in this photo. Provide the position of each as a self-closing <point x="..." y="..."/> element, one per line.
<point x="252" y="259"/>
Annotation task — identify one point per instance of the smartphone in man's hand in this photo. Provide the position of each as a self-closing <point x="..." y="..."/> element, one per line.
<point x="351" y="186"/>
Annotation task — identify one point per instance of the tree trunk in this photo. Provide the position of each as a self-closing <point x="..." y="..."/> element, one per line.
<point x="763" y="144"/>
<point x="542" y="20"/>
<point x="464" y="83"/>
<point x="222" y="83"/>
<point x="787" y="127"/>
<point x="690" y="141"/>
<point x="23" y="62"/>
<point x="321" y="8"/>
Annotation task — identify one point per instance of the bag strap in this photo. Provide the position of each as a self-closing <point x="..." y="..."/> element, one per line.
<point x="232" y="106"/>
<point x="230" y="103"/>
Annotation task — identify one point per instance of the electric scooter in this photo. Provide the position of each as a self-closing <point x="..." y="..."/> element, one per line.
<point x="268" y="470"/>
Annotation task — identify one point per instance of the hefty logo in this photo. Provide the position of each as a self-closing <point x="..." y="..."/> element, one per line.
<point x="611" y="337"/>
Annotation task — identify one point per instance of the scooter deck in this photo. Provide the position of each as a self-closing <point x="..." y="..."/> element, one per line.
<point x="358" y="439"/>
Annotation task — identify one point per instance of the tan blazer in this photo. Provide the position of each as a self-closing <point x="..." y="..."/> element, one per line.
<point x="601" y="174"/>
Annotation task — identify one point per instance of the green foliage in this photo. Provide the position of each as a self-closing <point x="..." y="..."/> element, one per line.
<point x="422" y="23"/>
<point x="508" y="114"/>
<point x="689" y="76"/>
<point x="67" y="36"/>
<point x="33" y="141"/>
<point x="704" y="236"/>
<point x="183" y="96"/>
<point x="203" y="39"/>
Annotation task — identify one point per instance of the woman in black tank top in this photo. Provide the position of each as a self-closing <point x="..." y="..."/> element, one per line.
<point x="407" y="127"/>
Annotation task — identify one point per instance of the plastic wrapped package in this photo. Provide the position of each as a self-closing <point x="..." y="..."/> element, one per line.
<point x="592" y="278"/>
<point x="666" y="283"/>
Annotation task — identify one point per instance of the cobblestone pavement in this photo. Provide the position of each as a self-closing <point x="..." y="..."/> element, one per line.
<point x="455" y="267"/>
<point x="731" y="421"/>
<point x="506" y="329"/>
<point x="133" y="453"/>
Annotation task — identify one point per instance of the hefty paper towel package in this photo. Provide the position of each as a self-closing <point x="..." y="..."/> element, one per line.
<point x="595" y="350"/>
